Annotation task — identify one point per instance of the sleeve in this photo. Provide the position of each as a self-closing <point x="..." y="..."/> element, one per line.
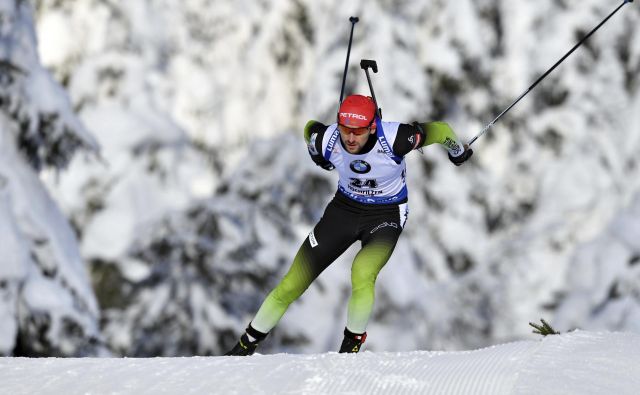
<point x="441" y="133"/>
<point x="313" y="136"/>
<point x="408" y="138"/>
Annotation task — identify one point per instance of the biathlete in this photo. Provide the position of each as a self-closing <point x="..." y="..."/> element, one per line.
<point x="370" y="205"/>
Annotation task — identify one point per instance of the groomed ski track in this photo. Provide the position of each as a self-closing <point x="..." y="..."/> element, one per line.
<point x="573" y="363"/>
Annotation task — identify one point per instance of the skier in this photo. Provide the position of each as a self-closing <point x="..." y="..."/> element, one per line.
<point x="370" y="205"/>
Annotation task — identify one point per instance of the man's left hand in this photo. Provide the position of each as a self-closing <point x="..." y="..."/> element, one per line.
<point x="458" y="160"/>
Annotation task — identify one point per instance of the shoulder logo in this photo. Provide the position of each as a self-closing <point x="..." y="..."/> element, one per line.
<point x="312" y="144"/>
<point x="360" y="166"/>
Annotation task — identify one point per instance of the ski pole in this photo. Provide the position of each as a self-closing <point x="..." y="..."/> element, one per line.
<point x="353" y="20"/>
<point x="364" y="65"/>
<point x="547" y="72"/>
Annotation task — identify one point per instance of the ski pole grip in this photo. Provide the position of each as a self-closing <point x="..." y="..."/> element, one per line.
<point x="366" y="63"/>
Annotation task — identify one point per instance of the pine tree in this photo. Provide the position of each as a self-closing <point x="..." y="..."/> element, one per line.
<point x="47" y="306"/>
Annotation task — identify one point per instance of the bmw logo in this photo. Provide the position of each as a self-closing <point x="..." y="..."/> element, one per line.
<point x="360" y="166"/>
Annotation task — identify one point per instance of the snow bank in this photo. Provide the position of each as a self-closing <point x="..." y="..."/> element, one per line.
<point x="574" y="363"/>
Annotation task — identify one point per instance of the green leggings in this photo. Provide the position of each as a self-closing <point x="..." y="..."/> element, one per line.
<point x="341" y="225"/>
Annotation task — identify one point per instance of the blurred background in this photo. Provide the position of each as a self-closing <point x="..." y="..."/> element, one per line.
<point x="155" y="185"/>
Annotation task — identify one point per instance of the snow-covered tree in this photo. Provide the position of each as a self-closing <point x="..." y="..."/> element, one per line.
<point x="47" y="305"/>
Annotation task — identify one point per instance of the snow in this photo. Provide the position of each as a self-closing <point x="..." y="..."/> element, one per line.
<point x="579" y="362"/>
<point x="204" y="189"/>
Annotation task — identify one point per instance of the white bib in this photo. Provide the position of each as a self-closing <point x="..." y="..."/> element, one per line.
<point x="375" y="177"/>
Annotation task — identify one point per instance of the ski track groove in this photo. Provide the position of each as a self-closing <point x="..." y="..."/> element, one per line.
<point x="494" y="372"/>
<point x="575" y="363"/>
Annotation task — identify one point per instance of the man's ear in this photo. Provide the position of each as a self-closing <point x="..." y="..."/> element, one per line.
<point x="372" y="128"/>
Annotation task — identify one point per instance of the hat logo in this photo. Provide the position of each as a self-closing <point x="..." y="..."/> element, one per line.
<point x="352" y="115"/>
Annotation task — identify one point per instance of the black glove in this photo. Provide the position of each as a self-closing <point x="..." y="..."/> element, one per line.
<point x="327" y="165"/>
<point x="458" y="160"/>
<point x="322" y="162"/>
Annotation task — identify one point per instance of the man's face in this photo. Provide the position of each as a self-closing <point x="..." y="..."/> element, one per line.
<point x="355" y="138"/>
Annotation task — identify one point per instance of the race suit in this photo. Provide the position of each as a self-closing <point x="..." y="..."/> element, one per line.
<point x="370" y="205"/>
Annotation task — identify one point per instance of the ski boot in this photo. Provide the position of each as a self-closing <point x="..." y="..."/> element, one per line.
<point x="352" y="341"/>
<point x="246" y="346"/>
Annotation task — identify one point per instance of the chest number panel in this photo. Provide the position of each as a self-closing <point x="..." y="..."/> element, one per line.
<point x="369" y="183"/>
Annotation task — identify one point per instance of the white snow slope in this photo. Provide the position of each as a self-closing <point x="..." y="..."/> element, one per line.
<point x="574" y="363"/>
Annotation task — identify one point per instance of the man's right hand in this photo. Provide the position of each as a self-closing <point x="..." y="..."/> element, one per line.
<point x="327" y="166"/>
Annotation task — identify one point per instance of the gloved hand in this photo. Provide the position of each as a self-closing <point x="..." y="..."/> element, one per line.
<point x="322" y="162"/>
<point x="327" y="165"/>
<point x="458" y="160"/>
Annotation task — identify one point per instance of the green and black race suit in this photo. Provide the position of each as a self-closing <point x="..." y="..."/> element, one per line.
<point x="370" y="206"/>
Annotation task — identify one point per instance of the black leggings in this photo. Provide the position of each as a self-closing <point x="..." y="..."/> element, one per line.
<point x="343" y="223"/>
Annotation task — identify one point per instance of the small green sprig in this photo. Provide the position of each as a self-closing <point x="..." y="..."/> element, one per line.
<point x="545" y="329"/>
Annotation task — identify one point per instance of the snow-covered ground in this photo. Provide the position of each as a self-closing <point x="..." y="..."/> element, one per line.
<point x="580" y="363"/>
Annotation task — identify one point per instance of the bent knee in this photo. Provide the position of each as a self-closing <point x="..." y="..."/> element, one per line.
<point x="288" y="291"/>
<point x="363" y="280"/>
